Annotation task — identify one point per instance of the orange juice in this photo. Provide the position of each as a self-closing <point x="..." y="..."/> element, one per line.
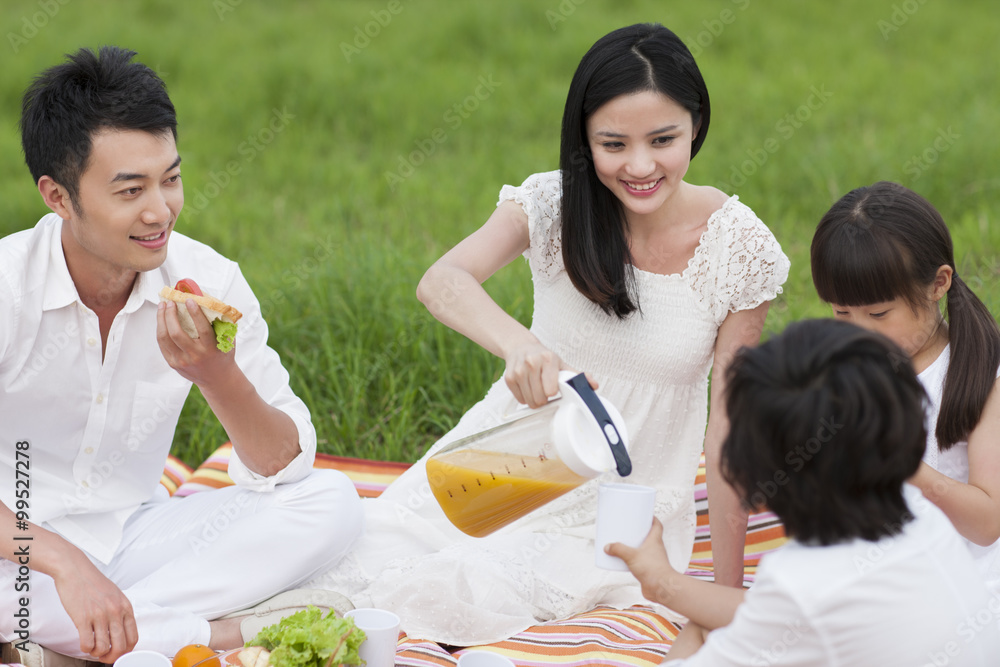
<point x="482" y="491"/>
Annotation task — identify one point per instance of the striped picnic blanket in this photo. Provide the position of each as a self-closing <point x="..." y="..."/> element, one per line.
<point x="370" y="477"/>
<point x="603" y="636"/>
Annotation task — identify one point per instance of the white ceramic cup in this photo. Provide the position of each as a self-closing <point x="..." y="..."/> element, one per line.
<point x="624" y="514"/>
<point x="143" y="659"/>
<point x="483" y="659"/>
<point x="381" y="628"/>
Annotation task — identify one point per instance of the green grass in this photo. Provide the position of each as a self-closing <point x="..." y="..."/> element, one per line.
<point x="335" y="253"/>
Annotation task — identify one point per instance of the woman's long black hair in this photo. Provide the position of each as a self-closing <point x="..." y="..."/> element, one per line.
<point x="884" y="242"/>
<point x="642" y="57"/>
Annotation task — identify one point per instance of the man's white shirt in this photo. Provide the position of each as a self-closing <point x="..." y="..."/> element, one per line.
<point x="99" y="431"/>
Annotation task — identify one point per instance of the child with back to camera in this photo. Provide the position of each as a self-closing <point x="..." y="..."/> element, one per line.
<point x="874" y="574"/>
<point x="642" y="280"/>
<point x="882" y="257"/>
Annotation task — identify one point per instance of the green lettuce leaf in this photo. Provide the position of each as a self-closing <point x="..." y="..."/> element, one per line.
<point x="225" y="334"/>
<point x="309" y="639"/>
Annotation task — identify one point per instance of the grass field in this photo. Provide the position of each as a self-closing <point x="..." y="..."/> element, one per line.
<point x="335" y="149"/>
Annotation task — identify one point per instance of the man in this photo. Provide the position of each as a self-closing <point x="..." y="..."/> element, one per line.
<point x="94" y="371"/>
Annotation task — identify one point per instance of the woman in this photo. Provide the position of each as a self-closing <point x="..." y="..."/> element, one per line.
<point x="641" y="280"/>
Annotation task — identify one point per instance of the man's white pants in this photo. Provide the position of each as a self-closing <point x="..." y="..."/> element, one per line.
<point x="185" y="560"/>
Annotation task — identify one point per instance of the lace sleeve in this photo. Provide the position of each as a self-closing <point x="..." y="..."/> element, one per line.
<point x="744" y="268"/>
<point x="756" y="267"/>
<point x="540" y="196"/>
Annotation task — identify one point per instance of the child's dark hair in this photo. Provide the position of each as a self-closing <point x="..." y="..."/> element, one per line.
<point x="638" y="58"/>
<point x="827" y="424"/>
<point x="67" y="104"/>
<point x="884" y="242"/>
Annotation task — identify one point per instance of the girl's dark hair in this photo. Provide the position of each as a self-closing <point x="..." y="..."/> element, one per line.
<point x="827" y="426"/>
<point x="884" y="242"/>
<point x="642" y="57"/>
<point x="65" y="105"/>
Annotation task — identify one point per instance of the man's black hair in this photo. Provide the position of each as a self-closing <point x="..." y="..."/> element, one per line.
<point x="66" y="105"/>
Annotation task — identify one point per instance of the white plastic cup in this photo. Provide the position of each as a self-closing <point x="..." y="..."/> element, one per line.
<point x="483" y="659"/>
<point x="143" y="659"/>
<point x="624" y="514"/>
<point x="381" y="630"/>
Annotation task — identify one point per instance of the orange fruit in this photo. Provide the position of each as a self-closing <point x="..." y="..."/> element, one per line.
<point x="192" y="654"/>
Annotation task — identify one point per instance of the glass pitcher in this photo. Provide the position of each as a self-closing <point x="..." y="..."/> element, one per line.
<point x="488" y="479"/>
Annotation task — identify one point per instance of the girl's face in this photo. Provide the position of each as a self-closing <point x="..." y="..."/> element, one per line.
<point x="914" y="331"/>
<point x="920" y="332"/>
<point x="641" y="144"/>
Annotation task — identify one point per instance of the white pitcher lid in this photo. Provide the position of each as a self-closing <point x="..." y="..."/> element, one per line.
<point x="583" y="443"/>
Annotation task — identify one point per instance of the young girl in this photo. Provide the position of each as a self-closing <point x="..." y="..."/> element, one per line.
<point x="882" y="257"/>
<point x="642" y="280"/>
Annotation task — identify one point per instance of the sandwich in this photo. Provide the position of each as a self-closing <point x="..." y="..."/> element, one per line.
<point x="221" y="316"/>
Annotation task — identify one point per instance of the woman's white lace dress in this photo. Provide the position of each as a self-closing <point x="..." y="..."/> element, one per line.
<point x="653" y="366"/>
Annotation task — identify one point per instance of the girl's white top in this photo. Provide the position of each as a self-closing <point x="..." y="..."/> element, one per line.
<point x="954" y="462"/>
<point x="653" y="366"/>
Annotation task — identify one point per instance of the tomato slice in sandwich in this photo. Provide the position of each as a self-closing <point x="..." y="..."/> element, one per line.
<point x="189" y="286"/>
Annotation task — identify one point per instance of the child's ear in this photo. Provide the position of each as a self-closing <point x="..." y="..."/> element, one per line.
<point x="942" y="282"/>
